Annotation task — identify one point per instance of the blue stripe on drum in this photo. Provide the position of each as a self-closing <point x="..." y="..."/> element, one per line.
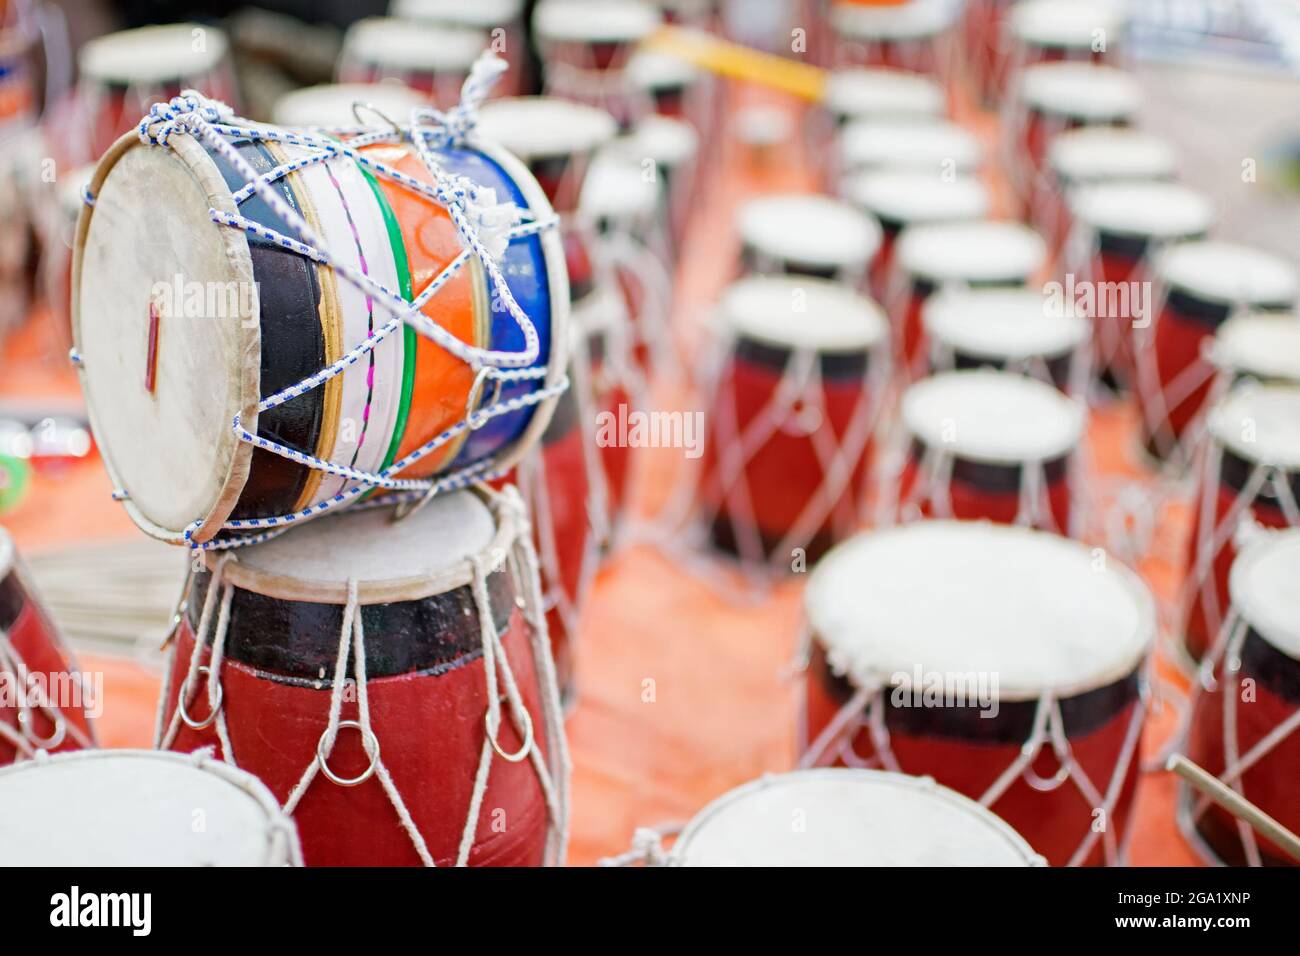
<point x="524" y="266"/>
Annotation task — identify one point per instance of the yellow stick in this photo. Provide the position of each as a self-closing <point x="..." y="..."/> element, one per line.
<point x="739" y="62"/>
<point x="1235" y="804"/>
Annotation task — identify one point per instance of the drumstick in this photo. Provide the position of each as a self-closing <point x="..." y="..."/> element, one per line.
<point x="738" y="62"/>
<point x="1235" y="803"/>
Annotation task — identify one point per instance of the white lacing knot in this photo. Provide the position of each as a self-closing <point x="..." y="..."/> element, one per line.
<point x="180" y="112"/>
<point x="454" y="126"/>
<point x="648" y="846"/>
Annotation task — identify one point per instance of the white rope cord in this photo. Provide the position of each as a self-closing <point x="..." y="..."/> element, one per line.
<point x="654" y="285"/>
<point x="484" y="225"/>
<point x="647" y="847"/>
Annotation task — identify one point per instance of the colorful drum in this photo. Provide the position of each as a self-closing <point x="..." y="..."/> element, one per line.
<point x="1199" y="286"/>
<point x="1249" y="476"/>
<point x="1264" y="346"/>
<point x="1004" y="662"/>
<point x="845" y="817"/>
<point x="792" y="418"/>
<point x="1015" y="330"/>
<point x="937" y="256"/>
<point x="1246" y="712"/>
<point x="915" y="35"/>
<point x="991" y="445"/>
<point x="398" y="699"/>
<point x="432" y="58"/>
<point x="900" y="198"/>
<point x="806" y="235"/>
<point x="338" y="105"/>
<point x="123" y="74"/>
<point x="124" y="808"/>
<point x="501" y="20"/>
<point x="45" y="699"/>
<point x="1119" y="229"/>
<point x="938" y="147"/>
<point x="163" y="387"/>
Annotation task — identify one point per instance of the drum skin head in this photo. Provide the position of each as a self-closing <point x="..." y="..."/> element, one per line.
<point x="172" y="450"/>
<point x="1264" y="588"/>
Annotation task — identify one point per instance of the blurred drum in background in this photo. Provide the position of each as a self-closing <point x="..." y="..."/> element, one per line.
<point x="915" y="35"/>
<point x="1246" y="709"/>
<point x="853" y="818"/>
<point x="339" y="105"/>
<point x="432" y="58"/>
<point x="668" y="85"/>
<point x="1199" y="285"/>
<point x="1260" y="346"/>
<point x="123" y="74"/>
<point x="899" y="199"/>
<point x="1051" y="31"/>
<point x="985" y="47"/>
<point x="1014" y="330"/>
<point x="45" y="698"/>
<point x="371" y="680"/>
<point x="1004" y="662"/>
<point x="942" y="149"/>
<point x="881" y="93"/>
<point x="666" y="151"/>
<point x="500" y="20"/>
<point x="991" y="445"/>
<point x="125" y="808"/>
<point x="1249" y="477"/>
<point x="793" y="414"/>
<point x="798" y="234"/>
<point x="56" y="227"/>
<point x="953" y="255"/>
<point x="1119" y="229"/>
<point x="162" y="409"/>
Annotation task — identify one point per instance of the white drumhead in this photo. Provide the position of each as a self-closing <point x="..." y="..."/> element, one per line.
<point x="1003" y="323"/>
<point x="407" y="45"/>
<point x="994" y="417"/>
<point x="1039" y="611"/>
<point x="482" y="14"/>
<point x="1230" y="274"/>
<point x="152" y="55"/>
<point x="139" y="808"/>
<point x="1083" y="91"/>
<point x="1264" y="344"/>
<point x="647" y="70"/>
<point x="808" y="229"/>
<point x="412" y="557"/>
<point x="544" y="127"/>
<point x="1265" y="587"/>
<point x="595" y="21"/>
<point x="916" y="19"/>
<point x="799" y="312"/>
<point x="1260" y="423"/>
<point x="880" y="92"/>
<point x="933" y="145"/>
<point x="912" y="197"/>
<point x="1096" y="153"/>
<point x="669" y="142"/>
<point x="1071" y="24"/>
<point x="1162" y="211"/>
<point x="979" y="251"/>
<point x="616" y="188"/>
<point x="330" y="104"/>
<point x="848" y="817"/>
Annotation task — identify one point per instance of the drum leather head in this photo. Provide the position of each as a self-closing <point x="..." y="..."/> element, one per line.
<point x="1096" y="153"/>
<point x="809" y="230"/>
<point x="882" y="91"/>
<point x="406" y="45"/>
<point x="910" y="197"/>
<point x="1228" y="273"/>
<point x="1261" y="344"/>
<point x="544" y="127"/>
<point x="932" y="145"/>
<point x="978" y="251"/>
<point x="1157" y="210"/>
<point x="1260" y="423"/>
<point x="1082" y="91"/>
<point x="803" y="313"/>
<point x="331" y="105"/>
<point x="1264" y="588"/>
<point x="1003" y="323"/>
<point x="153" y="55"/>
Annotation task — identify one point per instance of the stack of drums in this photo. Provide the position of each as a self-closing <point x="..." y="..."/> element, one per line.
<point x="915" y="36"/>
<point x="500" y="20"/>
<point x="1004" y="662"/>
<point x="434" y="59"/>
<point x="806" y="235"/>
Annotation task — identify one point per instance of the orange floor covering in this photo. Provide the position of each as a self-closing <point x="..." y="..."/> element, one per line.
<point x="723" y="708"/>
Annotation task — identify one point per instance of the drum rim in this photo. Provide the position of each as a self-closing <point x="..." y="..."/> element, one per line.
<point x="1245" y="599"/>
<point x="844" y="84"/>
<point x="87" y="54"/>
<point x="1129" y="583"/>
<point x="558" y="105"/>
<point x="282" y="844"/>
<point x="1041" y="82"/>
<point x="755" y="215"/>
<point x="1086" y="140"/>
<point x="902" y="781"/>
<point x="875" y="332"/>
<point x="317" y="89"/>
<point x="1231" y="348"/>
<point x="956" y="144"/>
<point x="892" y="23"/>
<point x="1015" y="237"/>
<point x="943" y="306"/>
<point x="1222" y="424"/>
<point x="367" y="40"/>
<point x="639" y="20"/>
<point x="1239" y="251"/>
<point x="1195" y="209"/>
<point x="1029" y="25"/>
<point x="874" y="191"/>
<point x="188" y="151"/>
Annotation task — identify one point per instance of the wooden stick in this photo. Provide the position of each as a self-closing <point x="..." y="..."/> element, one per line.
<point x="739" y="62"/>
<point x="1235" y="803"/>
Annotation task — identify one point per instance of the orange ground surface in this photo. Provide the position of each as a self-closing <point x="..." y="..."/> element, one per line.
<point x="724" y="708"/>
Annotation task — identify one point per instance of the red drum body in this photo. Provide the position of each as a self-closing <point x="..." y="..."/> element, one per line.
<point x="893" y="680"/>
<point x="432" y="59"/>
<point x="1250" y="474"/>
<point x="414" y="694"/>
<point x="1245" y="719"/>
<point x="990" y="445"/>
<point x="792" y="418"/>
<point x="43" y="695"/>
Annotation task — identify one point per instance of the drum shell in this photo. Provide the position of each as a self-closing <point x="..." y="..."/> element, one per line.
<point x="998" y="500"/>
<point x="943" y="743"/>
<point x="430" y="725"/>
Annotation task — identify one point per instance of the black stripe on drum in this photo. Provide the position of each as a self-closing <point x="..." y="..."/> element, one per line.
<point x="293" y="347"/>
<point x="1270" y="667"/>
<point x="1204" y="312"/>
<point x="996" y="479"/>
<point x="297" y="641"/>
<point x="13" y="598"/>
<point x="1235" y="472"/>
<point x="754" y="262"/>
<point x="1058" y="368"/>
<point x="833" y="365"/>
<point x="923" y="288"/>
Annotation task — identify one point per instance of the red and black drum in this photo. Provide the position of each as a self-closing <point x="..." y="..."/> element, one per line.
<point x="1249" y="478"/>
<point x="1051" y="31"/>
<point x="1004" y="662"/>
<point x="1119" y="229"/>
<point x="45" y="699"/>
<point x="916" y="35"/>
<point x="868" y="93"/>
<point x="942" y="149"/>
<point x="991" y="445"/>
<point x="432" y="58"/>
<point x="806" y="235"/>
<point x="953" y="255"/>
<point x="1199" y="285"/>
<point x="792" y="418"/>
<point x="1013" y="330"/>
<point x="899" y="199"/>
<point x="1245" y="726"/>
<point x="398" y="699"/>
<point x="501" y="21"/>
